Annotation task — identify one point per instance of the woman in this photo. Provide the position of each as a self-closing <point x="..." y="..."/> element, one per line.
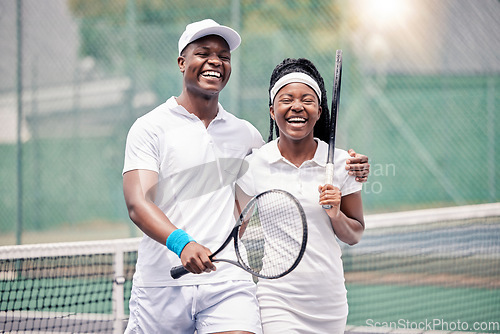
<point x="312" y="298"/>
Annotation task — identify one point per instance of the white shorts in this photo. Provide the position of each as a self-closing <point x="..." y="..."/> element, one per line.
<point x="208" y="308"/>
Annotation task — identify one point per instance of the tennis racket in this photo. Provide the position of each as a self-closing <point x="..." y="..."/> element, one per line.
<point x="269" y="237"/>
<point x="333" y="120"/>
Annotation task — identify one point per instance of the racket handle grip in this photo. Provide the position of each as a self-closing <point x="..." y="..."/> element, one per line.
<point x="328" y="179"/>
<point x="178" y="272"/>
<point x="329" y="173"/>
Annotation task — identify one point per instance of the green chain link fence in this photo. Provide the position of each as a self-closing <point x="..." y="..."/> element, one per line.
<point x="419" y="95"/>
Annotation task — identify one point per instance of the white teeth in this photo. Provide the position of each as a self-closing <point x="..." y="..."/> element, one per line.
<point x="211" y="74"/>
<point x="297" y="119"/>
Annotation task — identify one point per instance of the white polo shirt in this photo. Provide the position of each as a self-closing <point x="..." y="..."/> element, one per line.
<point x="197" y="168"/>
<point x="314" y="292"/>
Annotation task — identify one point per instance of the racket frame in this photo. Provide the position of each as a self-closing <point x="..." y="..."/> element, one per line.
<point x="303" y="219"/>
<point x="179" y="271"/>
<point x="337" y="80"/>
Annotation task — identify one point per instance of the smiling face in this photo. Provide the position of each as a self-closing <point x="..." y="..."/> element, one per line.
<point x="206" y="65"/>
<point x="296" y="109"/>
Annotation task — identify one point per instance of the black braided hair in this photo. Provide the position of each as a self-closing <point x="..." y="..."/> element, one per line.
<point x="290" y="65"/>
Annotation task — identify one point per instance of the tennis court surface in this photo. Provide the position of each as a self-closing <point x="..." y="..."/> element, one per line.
<point x="411" y="269"/>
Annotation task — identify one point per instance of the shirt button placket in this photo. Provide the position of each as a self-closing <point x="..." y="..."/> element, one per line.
<point x="299" y="183"/>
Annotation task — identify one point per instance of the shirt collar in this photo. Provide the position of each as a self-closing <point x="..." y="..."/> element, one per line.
<point x="222" y="114"/>
<point x="175" y="107"/>
<point x="319" y="158"/>
<point x="274" y="152"/>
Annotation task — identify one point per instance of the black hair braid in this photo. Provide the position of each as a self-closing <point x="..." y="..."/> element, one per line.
<point x="271" y="126"/>
<point x="290" y="65"/>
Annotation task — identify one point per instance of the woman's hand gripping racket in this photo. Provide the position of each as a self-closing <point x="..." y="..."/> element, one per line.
<point x="269" y="237"/>
<point x="333" y="120"/>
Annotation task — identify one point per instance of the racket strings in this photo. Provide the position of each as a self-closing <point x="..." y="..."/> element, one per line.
<point x="273" y="235"/>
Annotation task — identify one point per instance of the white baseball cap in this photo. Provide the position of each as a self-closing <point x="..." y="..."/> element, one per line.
<point x="207" y="27"/>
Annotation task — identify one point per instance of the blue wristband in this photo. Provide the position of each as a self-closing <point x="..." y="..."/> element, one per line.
<point x="177" y="240"/>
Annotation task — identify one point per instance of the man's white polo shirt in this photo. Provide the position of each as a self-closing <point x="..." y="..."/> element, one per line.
<point x="197" y="167"/>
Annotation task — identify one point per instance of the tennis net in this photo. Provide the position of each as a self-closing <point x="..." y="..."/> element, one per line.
<point x="77" y="287"/>
<point x="436" y="269"/>
<point x="421" y="271"/>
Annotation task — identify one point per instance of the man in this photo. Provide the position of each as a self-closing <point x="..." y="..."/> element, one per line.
<point x="181" y="163"/>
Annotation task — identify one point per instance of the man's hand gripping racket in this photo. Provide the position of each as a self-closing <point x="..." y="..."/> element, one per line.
<point x="269" y="237"/>
<point x="333" y="120"/>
